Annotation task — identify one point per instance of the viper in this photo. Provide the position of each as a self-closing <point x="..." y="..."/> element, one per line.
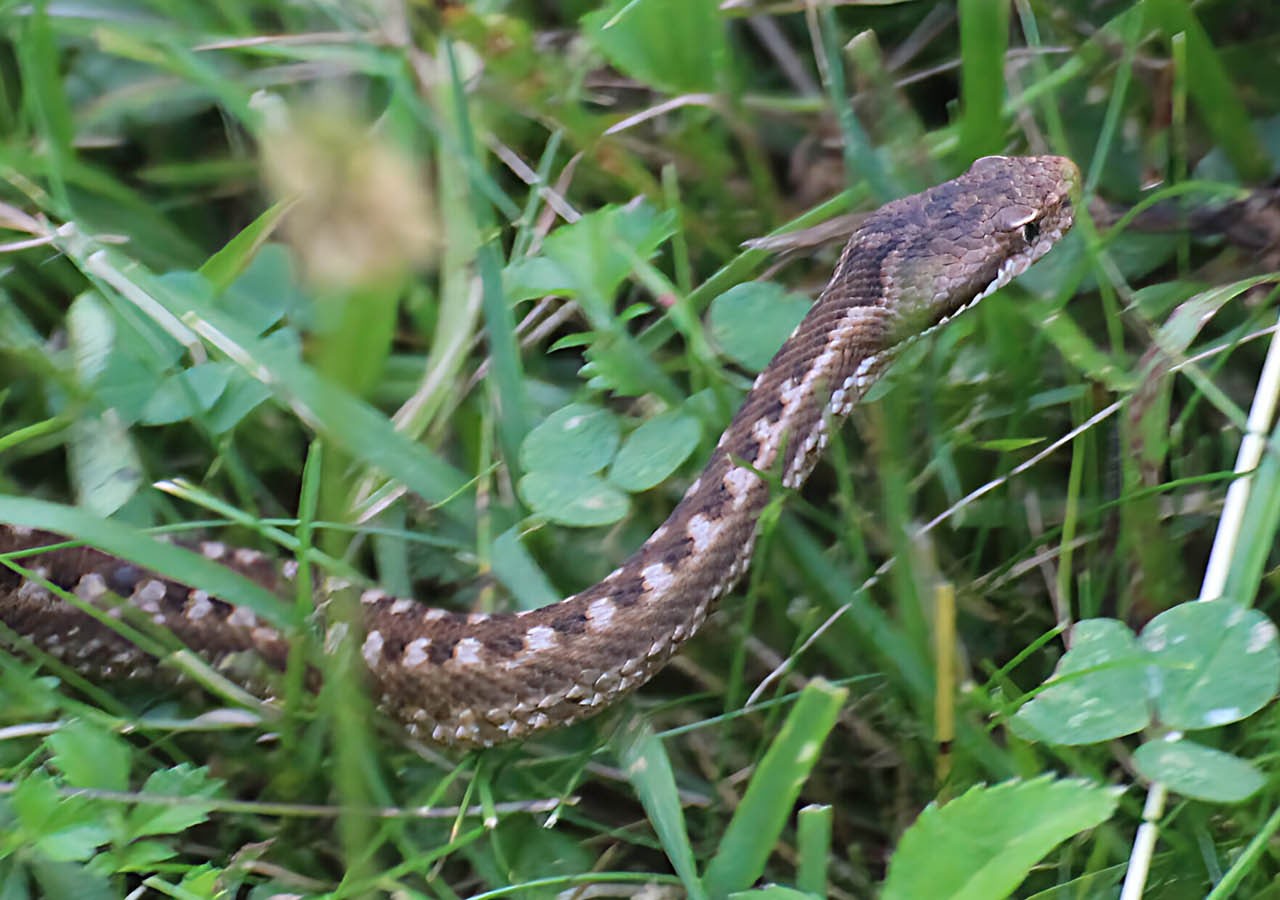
<point x="476" y="680"/>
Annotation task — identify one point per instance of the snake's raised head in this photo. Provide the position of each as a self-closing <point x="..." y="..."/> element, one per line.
<point x="943" y="250"/>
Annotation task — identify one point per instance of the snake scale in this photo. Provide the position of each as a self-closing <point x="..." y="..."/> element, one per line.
<point x="476" y="680"/>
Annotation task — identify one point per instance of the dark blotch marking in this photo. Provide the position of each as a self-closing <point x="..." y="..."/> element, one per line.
<point x="570" y="623"/>
<point x="64" y="579"/>
<point x="628" y="591"/>
<point x="441" y="651"/>
<point x="504" y="645"/>
<point x="679" y="550"/>
<point x="392" y="647"/>
<point x="175" y="596"/>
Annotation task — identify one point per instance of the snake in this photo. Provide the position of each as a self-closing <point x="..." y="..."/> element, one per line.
<point x="474" y="680"/>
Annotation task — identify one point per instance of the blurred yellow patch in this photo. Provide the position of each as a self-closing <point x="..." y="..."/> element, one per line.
<point x="361" y="208"/>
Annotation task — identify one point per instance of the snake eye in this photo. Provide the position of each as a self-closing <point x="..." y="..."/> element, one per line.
<point x="1031" y="231"/>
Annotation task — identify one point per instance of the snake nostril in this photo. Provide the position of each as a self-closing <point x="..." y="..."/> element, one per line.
<point x="1031" y="231"/>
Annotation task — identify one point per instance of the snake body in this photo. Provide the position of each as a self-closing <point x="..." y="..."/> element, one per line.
<point x="477" y="680"/>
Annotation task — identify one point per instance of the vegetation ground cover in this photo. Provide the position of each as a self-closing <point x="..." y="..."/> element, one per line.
<point x="460" y="295"/>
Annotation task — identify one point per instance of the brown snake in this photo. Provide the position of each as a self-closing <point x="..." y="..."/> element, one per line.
<point x="478" y="680"/>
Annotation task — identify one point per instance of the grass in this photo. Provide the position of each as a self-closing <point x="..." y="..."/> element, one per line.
<point x="509" y="208"/>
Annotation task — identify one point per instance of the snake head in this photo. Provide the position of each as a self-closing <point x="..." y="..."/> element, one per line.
<point x="939" y="252"/>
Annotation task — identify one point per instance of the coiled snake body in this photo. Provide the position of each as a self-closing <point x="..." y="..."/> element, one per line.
<point x="478" y="680"/>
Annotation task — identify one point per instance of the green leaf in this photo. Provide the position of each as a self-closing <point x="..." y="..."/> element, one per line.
<point x="654" y="450"/>
<point x="180" y="781"/>
<point x="982" y="844"/>
<point x="69" y="881"/>
<point x="575" y="439"/>
<point x="241" y="397"/>
<point x="571" y="499"/>
<point x="1195" y="770"/>
<point x="520" y="573"/>
<point x="242" y="251"/>
<point x="138" y="856"/>
<point x="348" y="422"/>
<point x="750" y="321"/>
<point x="644" y="760"/>
<point x="186" y="394"/>
<point x="265" y="292"/>
<point x="1095" y="692"/>
<point x="590" y="259"/>
<point x="771" y="796"/>
<point x="104" y="465"/>
<point x="90" y="757"/>
<point x="678" y="46"/>
<point x="91" y="335"/>
<point x="1214" y="662"/>
<point x="63" y="828"/>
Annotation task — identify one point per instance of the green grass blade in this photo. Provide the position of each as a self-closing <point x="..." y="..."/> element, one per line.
<point x="984" y="38"/>
<point x="1211" y="89"/>
<point x="770" y="798"/>
<point x="641" y="755"/>
<point x="813" y="847"/>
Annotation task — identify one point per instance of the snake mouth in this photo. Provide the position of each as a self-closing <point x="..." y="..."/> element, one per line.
<point x="1015" y="265"/>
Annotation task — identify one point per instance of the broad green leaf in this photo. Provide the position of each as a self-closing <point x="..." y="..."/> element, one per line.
<point x="654" y="450"/>
<point x="750" y="321"/>
<point x="265" y="292"/>
<point x="90" y="757"/>
<point x="242" y="396"/>
<point x="63" y="828"/>
<point x="1194" y="770"/>
<point x="193" y="785"/>
<point x="186" y="394"/>
<point x="982" y="844"/>
<point x="91" y="335"/>
<point x="104" y="466"/>
<point x="576" y="439"/>
<point x="71" y="881"/>
<point x="570" y="499"/>
<point x="1095" y="694"/>
<point x="182" y="309"/>
<point x="1213" y="662"/>
<point x="138" y="856"/>
<point x="767" y="806"/>
<point x="126" y="386"/>
<point x="678" y="46"/>
<point x="589" y="259"/>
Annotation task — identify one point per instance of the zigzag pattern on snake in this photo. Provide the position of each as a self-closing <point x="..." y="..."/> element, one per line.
<point x="478" y="680"/>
